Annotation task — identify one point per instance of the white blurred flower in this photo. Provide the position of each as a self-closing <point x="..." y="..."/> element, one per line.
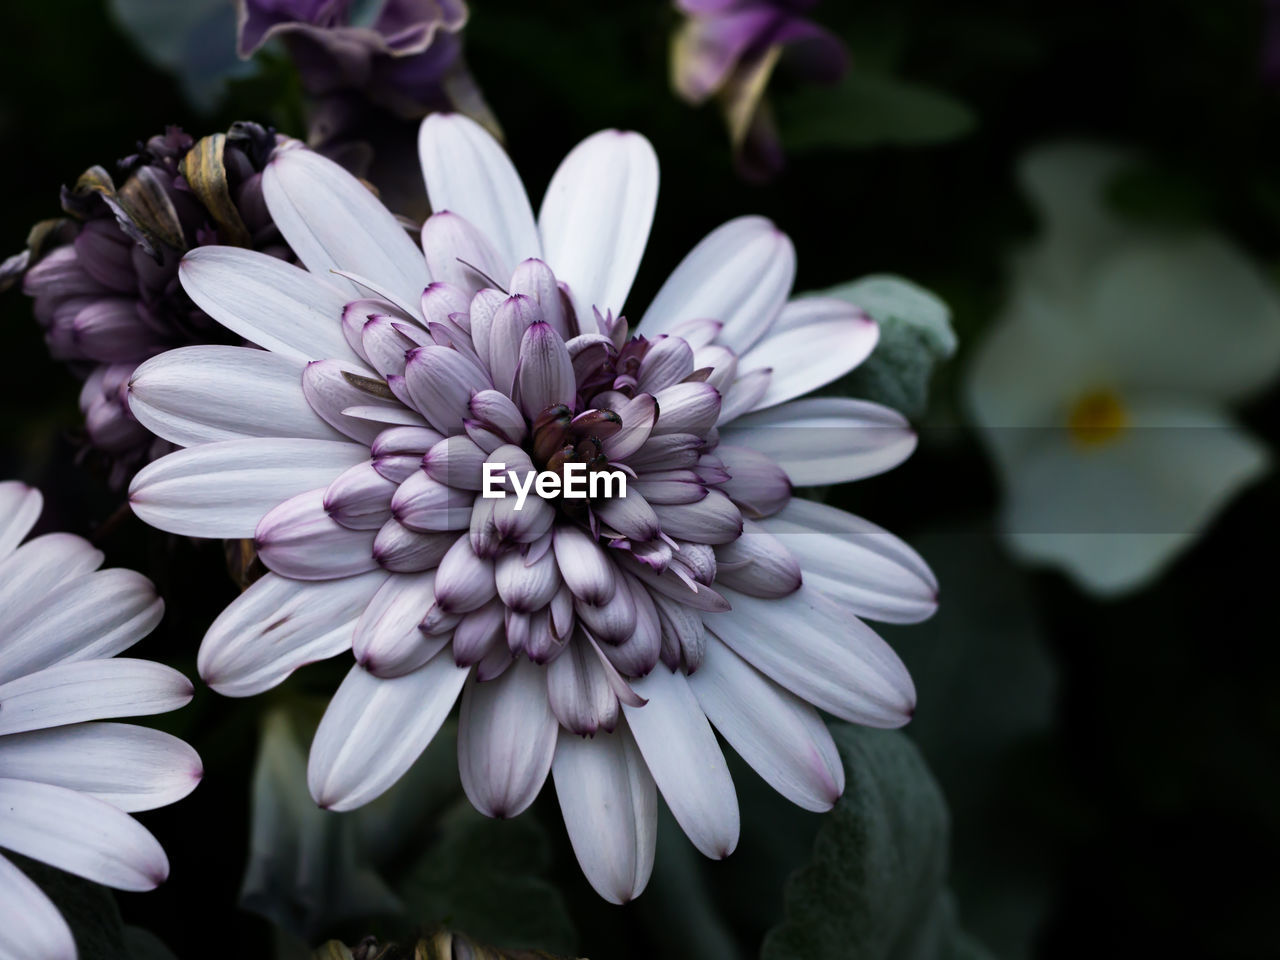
<point x="68" y="782"/>
<point x="1103" y="391"/>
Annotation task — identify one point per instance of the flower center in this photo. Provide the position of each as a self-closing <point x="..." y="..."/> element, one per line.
<point x="560" y="438"/>
<point x="1097" y="418"/>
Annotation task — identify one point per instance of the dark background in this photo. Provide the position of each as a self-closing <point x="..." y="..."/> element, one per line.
<point x="1148" y="810"/>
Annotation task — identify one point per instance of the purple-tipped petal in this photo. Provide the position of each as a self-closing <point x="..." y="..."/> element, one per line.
<point x="331" y="387"/>
<point x="299" y="539"/>
<point x="457" y="462"/>
<point x="636" y="655"/>
<point x="387" y="640"/>
<point x="546" y="372"/>
<point x="440" y="382"/>
<point x="668" y="361"/>
<point x="638" y="417"/>
<point x="612" y="621"/>
<point x="756" y="484"/>
<point x="758" y="564"/>
<point x="631" y="516"/>
<point x="464" y="582"/>
<point x="675" y="451"/>
<point x="459" y="254"/>
<point x="477" y="632"/>
<point x="360" y="498"/>
<point x="586" y="568"/>
<point x="499" y="414"/>
<point x="524" y="586"/>
<point x="744" y="394"/>
<point x="428" y="506"/>
<point x="579" y="692"/>
<point x="683" y="635"/>
<point x="398" y="549"/>
<point x="713" y="519"/>
<point x="534" y="279"/>
<point x="506" y="334"/>
<point x="687" y="408"/>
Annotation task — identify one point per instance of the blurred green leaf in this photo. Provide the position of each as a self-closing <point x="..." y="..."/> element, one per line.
<point x="142" y="944"/>
<point x="875" y="886"/>
<point x="89" y="909"/>
<point x="486" y="878"/>
<point x="915" y="335"/>
<point x="193" y="39"/>
<point x="868" y="110"/>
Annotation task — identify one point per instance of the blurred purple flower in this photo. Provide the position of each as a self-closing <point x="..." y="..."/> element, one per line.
<point x="365" y="80"/>
<point x="727" y="49"/>
<point x="105" y="280"/>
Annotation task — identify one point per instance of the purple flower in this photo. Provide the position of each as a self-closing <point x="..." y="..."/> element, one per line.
<point x="108" y="296"/>
<point x="594" y="641"/>
<point x="727" y="49"/>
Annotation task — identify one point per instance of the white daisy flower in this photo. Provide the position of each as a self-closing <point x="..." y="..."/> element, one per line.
<point x="597" y="640"/>
<point x="68" y="781"/>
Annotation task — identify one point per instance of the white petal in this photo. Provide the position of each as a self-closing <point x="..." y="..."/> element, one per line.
<point x="826" y="439"/>
<point x="332" y="220"/>
<point x="278" y="625"/>
<point x="210" y="392"/>
<point x="815" y="648"/>
<point x="740" y="275"/>
<point x="682" y="754"/>
<point x="128" y="766"/>
<point x="80" y="834"/>
<point x="90" y="690"/>
<point x="20" y="507"/>
<point x="374" y="729"/>
<point x="30" y="925"/>
<point x="224" y="489"/>
<point x="280" y="307"/>
<point x="596" y="215"/>
<point x="778" y="734"/>
<point x="610" y="809"/>
<point x="387" y="640"/>
<point x="825" y="338"/>
<point x="856" y="563"/>
<point x="506" y="738"/>
<point x="468" y="172"/>
<point x="93" y="616"/>
<point x="34" y="570"/>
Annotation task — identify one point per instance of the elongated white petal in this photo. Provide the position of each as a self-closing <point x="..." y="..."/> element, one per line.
<point x="80" y="834"/>
<point x="825" y="655"/>
<point x="278" y="625"/>
<point x="682" y="754"/>
<point x="458" y="253"/>
<point x="90" y="690"/>
<point x="596" y="215"/>
<point x="826" y="439"/>
<point x="93" y="616"/>
<point x="279" y="307"/>
<point x="778" y="734"/>
<point x="739" y="274"/>
<point x="211" y="392"/>
<point x="332" y="220"/>
<point x="468" y="172"/>
<point x="506" y="738"/>
<point x="35" y="569"/>
<point x="825" y="338"/>
<point x="374" y="729"/>
<point x="610" y="809"/>
<point x="225" y="489"/>
<point x="20" y="507"/>
<point x="856" y="563"/>
<point x="129" y="766"/>
<point x="30" y="925"/>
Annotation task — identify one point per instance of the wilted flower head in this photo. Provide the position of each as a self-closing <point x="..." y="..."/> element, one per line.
<point x="365" y="67"/>
<point x="105" y="280"/>
<point x="68" y="781"/>
<point x="728" y="49"/>
<point x="588" y="639"/>
<point x="1104" y="389"/>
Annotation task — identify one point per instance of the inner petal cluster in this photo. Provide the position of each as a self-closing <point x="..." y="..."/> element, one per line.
<point x="515" y="377"/>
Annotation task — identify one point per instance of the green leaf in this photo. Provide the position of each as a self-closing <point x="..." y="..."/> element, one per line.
<point x="870" y="110"/>
<point x="89" y="909"/>
<point x="915" y="335"/>
<point x="144" y="945"/>
<point x="874" y="889"/>
<point x="484" y="878"/>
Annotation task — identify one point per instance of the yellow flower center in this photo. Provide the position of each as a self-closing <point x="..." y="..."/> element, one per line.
<point x="1097" y="418"/>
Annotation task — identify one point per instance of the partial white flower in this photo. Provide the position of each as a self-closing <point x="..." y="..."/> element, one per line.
<point x="68" y="781"/>
<point x="1103" y="391"/>
<point x="598" y="641"/>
